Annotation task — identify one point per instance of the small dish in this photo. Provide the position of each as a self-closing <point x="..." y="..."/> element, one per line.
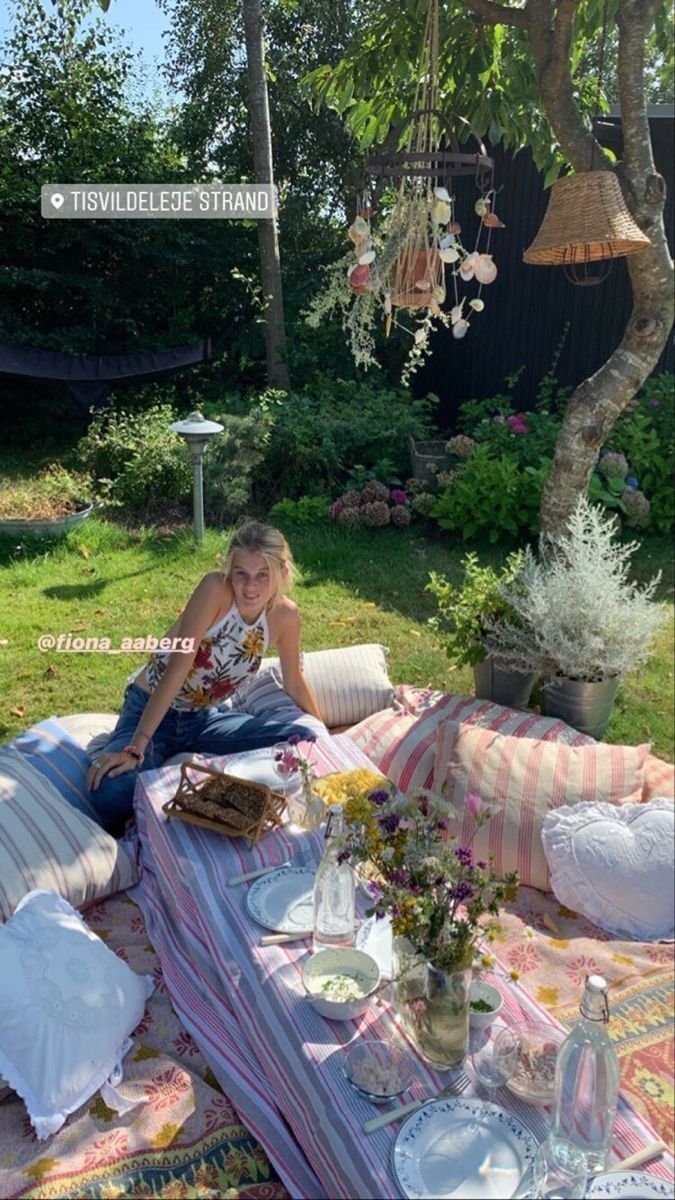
<point x="487" y="994"/>
<point x="340" y="981"/>
<point x="378" y="1071"/>
<point x="533" y="1077"/>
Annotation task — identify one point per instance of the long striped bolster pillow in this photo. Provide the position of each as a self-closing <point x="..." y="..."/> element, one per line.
<point x="525" y="779"/>
<point x="46" y="843"/>
<point x="403" y="743"/>
<point x="349" y="683"/>
<point x="61" y="759"/>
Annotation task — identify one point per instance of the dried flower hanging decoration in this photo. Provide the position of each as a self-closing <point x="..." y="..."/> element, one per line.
<point x="407" y="261"/>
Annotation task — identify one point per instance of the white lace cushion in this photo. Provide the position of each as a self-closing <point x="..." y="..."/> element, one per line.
<point x="67" y="1008"/>
<point x="350" y="683"/>
<point x="46" y="843"/>
<point x="616" y="866"/>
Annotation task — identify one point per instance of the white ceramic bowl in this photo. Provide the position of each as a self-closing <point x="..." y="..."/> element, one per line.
<point x="484" y="991"/>
<point x="340" y="965"/>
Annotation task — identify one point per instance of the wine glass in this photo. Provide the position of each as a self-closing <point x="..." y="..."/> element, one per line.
<point x="560" y="1170"/>
<point x="494" y="1054"/>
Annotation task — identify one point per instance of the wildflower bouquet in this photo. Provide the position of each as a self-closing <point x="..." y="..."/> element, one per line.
<point x="438" y="897"/>
<point x="292" y="763"/>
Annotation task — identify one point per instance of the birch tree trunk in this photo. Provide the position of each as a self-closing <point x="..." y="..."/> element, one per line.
<point x="268" y="239"/>
<point x="597" y="402"/>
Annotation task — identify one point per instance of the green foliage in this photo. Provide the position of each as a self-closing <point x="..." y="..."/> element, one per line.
<point x="136" y="459"/>
<point x="491" y="496"/>
<point x="308" y="510"/>
<point x="646" y="436"/>
<point x="321" y="433"/>
<point x="232" y="458"/>
<point x="464" y="612"/>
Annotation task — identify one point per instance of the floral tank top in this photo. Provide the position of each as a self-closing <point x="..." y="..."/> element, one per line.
<point x="229" y="652"/>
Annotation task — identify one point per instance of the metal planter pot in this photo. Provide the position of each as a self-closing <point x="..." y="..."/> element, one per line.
<point x="585" y="706"/>
<point x="509" y="688"/>
<point x="51" y="527"/>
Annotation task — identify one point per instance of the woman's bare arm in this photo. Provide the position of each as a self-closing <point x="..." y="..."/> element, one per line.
<point x="288" y="645"/>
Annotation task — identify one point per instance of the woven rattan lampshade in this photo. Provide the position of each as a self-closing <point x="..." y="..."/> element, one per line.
<point x="586" y="220"/>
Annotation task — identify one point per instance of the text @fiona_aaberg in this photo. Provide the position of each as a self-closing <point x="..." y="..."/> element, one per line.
<point x="67" y="643"/>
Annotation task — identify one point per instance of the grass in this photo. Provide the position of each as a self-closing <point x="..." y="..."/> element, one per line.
<point x="105" y="580"/>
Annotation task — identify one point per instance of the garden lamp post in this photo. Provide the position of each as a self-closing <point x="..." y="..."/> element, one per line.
<point x="197" y="431"/>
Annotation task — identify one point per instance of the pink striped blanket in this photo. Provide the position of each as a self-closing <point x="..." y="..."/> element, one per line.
<point x="277" y="1060"/>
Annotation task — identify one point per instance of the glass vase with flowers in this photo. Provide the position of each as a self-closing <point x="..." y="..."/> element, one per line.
<point x="305" y="807"/>
<point x="441" y="903"/>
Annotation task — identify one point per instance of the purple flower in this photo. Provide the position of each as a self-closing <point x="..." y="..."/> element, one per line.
<point x="294" y="739"/>
<point x="482" y="865"/>
<point x="632" y="482"/>
<point x="342" y="857"/>
<point x="517" y="423"/>
<point x="464" y="856"/>
<point x="461" y="891"/>
<point x="310" y="738"/>
<point x="335" y="508"/>
<point x="379" y="797"/>
<point x="389" y="822"/>
<point x="400" y="876"/>
<point x="473" y="803"/>
<point x="655" y="402"/>
<point x="442" y="823"/>
<point x="440" y="879"/>
<point x="380" y="914"/>
<point x="397" y="496"/>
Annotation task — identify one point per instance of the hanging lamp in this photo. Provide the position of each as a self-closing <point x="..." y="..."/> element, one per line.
<point x="587" y="219"/>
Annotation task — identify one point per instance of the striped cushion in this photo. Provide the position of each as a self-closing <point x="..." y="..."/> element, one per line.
<point x="46" y="843"/>
<point x="525" y="778"/>
<point x="57" y="756"/>
<point x="349" y="683"/>
<point x="401" y="741"/>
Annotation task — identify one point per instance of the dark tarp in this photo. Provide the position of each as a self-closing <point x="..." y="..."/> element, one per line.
<point x="89" y="377"/>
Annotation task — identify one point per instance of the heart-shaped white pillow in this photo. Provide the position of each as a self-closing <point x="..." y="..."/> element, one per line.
<point x="616" y="865"/>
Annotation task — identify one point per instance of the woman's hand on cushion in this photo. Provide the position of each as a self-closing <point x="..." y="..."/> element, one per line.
<point x="117" y="762"/>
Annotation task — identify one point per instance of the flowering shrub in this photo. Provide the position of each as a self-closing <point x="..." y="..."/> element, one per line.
<point x="373" y="506"/>
<point x="430" y="885"/>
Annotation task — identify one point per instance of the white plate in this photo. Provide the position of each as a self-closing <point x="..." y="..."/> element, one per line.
<point x="464" y="1149"/>
<point x="257" y="765"/>
<point x="629" y="1185"/>
<point x="283" y="900"/>
<point x="375" y="937"/>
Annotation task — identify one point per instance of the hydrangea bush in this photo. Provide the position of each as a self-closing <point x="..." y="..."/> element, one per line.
<point x="374" y="505"/>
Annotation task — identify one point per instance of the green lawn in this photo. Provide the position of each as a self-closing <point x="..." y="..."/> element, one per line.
<point x="106" y="580"/>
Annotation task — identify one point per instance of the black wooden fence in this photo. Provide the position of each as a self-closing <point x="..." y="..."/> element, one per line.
<point x="528" y="307"/>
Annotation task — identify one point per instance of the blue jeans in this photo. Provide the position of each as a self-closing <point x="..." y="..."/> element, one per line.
<point x="202" y="731"/>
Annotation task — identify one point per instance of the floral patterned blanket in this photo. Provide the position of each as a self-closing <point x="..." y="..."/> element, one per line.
<point x="186" y="1140"/>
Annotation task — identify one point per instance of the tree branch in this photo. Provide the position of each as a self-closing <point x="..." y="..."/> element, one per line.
<point x="635" y="18"/>
<point x="551" y="32"/>
<point x="497" y="14"/>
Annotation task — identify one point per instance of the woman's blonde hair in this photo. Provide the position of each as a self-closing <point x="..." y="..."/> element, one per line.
<point x="257" y="538"/>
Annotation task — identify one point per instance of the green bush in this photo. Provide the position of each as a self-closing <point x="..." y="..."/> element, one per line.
<point x="488" y="497"/>
<point x="308" y="510"/>
<point x="232" y="459"/>
<point x="321" y="434"/>
<point x="136" y="459"/>
<point x="465" y="612"/>
<point x="53" y="492"/>
<point x="646" y="436"/>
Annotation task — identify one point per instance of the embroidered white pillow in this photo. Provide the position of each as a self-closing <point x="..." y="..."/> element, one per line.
<point x="350" y="683"/>
<point x="616" y="866"/>
<point x="67" y="1007"/>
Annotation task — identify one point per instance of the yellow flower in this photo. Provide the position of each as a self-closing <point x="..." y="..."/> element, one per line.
<point x="488" y="960"/>
<point x="514" y="974"/>
<point x="529" y="932"/>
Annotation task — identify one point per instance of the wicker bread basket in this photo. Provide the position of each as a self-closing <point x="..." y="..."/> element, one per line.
<point x="586" y="220"/>
<point x="224" y="803"/>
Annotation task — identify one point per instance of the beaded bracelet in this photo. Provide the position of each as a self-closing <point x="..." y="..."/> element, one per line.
<point x="135" y="753"/>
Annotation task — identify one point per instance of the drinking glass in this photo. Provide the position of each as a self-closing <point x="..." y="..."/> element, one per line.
<point x="560" y="1170"/>
<point x="284" y="760"/>
<point x="494" y="1054"/>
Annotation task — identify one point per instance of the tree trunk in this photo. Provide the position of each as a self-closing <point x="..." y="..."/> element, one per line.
<point x="268" y="240"/>
<point x="599" y="400"/>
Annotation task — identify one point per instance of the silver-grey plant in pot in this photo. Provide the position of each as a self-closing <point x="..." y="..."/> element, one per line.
<point x="579" y="619"/>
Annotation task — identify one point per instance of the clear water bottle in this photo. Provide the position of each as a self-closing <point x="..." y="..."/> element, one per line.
<point x="587" y="1080"/>
<point x="334" y="890"/>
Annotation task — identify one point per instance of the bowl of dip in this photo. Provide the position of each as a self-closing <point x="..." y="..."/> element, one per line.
<point x="339" y="982"/>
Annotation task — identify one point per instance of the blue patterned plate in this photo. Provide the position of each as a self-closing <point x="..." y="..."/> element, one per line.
<point x="462" y="1149"/>
<point x="283" y="900"/>
<point x="629" y="1185"/>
